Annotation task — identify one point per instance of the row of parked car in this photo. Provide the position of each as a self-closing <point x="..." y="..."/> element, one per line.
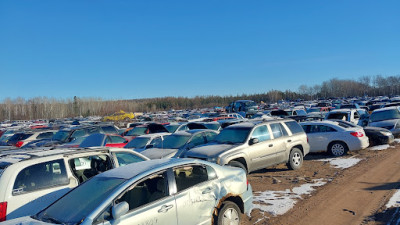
<point x="156" y="172"/>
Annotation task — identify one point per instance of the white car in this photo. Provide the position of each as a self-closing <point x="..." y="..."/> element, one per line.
<point x="167" y="191"/>
<point x="32" y="179"/>
<point x="332" y="137"/>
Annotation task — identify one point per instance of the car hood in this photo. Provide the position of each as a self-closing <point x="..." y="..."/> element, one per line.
<point x="211" y="150"/>
<point x="383" y="123"/>
<point x="159" y="153"/>
<point x="26" y="220"/>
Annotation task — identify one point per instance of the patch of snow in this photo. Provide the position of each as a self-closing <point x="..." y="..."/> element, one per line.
<point x="394" y="201"/>
<point x="342" y="163"/>
<point x="397" y="140"/>
<point x="379" y="147"/>
<point x="279" y="202"/>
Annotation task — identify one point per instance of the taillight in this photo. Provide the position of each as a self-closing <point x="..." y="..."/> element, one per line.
<point x="19" y="144"/>
<point x="3" y="211"/>
<point x="357" y="134"/>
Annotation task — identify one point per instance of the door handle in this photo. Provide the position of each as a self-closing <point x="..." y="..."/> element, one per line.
<point x="207" y="190"/>
<point x="165" y="208"/>
<point x="270" y="145"/>
<point x="289" y="140"/>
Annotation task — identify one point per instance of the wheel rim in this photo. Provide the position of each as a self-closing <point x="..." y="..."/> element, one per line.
<point x="337" y="149"/>
<point x="230" y="217"/>
<point x="296" y="159"/>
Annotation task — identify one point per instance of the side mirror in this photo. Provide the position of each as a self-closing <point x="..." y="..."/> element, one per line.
<point x="253" y="141"/>
<point x="119" y="210"/>
<point x="72" y="139"/>
<point x="149" y="146"/>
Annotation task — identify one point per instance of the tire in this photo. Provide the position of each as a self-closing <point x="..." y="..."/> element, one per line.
<point x="295" y="159"/>
<point x="337" y="148"/>
<point x="228" y="214"/>
<point x="238" y="164"/>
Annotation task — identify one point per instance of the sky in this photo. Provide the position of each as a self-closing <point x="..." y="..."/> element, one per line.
<point x="130" y="49"/>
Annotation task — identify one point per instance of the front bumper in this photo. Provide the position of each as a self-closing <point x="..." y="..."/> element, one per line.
<point x="248" y="199"/>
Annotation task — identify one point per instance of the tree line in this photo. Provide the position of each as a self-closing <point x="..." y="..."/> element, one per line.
<point x="52" y="108"/>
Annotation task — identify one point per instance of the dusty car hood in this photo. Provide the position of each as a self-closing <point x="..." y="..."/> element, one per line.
<point x="211" y="150"/>
<point x="159" y="153"/>
<point x="26" y="220"/>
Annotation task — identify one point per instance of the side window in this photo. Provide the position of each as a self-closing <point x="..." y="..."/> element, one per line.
<point x="40" y="176"/>
<point x="284" y="132"/>
<point x="147" y="191"/>
<point x="117" y="139"/>
<point x="276" y="130"/>
<point x="294" y="127"/>
<point x="86" y="167"/>
<point x="326" y="129"/>
<point x="314" y="129"/>
<point x="156" y="141"/>
<point x="78" y="133"/>
<point x="356" y="115"/>
<point x="125" y="158"/>
<point x="197" y="139"/>
<point x="45" y="135"/>
<point x="261" y="133"/>
<point x="306" y="128"/>
<point x="210" y="136"/>
<point x="182" y="128"/>
<point x="189" y="176"/>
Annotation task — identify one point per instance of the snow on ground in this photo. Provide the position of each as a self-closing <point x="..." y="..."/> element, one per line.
<point x="379" y="147"/>
<point x="279" y="202"/>
<point x="394" y="201"/>
<point x="397" y="140"/>
<point x="342" y="163"/>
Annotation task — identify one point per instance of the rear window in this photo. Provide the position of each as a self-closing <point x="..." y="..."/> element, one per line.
<point x="40" y="176"/>
<point x="294" y="127"/>
<point x="109" y="130"/>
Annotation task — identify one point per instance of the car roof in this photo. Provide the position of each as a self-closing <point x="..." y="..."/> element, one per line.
<point x="131" y="170"/>
<point x="387" y="108"/>
<point x="17" y="155"/>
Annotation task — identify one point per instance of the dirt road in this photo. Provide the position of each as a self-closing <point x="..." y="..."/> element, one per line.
<point x="356" y="195"/>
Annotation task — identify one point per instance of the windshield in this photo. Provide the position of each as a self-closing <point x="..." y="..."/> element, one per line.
<point x="250" y="103"/>
<point x="80" y="202"/>
<point x="61" y="136"/>
<point x="314" y="110"/>
<point x="212" y="126"/>
<point x="139" y="142"/>
<point x="172" y="128"/>
<point x="137" y="131"/>
<point x="385" y="115"/>
<point x="173" y="141"/>
<point x="233" y="135"/>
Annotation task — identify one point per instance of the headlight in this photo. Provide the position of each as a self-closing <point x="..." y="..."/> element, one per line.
<point x="214" y="160"/>
<point x="385" y="133"/>
<point x="397" y="126"/>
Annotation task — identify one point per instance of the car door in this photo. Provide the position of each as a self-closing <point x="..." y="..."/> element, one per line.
<point x="314" y="136"/>
<point x="149" y="202"/>
<point x="262" y="153"/>
<point x="37" y="186"/>
<point x="280" y="138"/>
<point x="197" y="189"/>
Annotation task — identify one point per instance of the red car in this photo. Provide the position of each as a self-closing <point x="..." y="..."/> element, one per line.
<point x="107" y="140"/>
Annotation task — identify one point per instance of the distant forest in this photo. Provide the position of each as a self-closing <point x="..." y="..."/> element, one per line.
<point x="52" y="108"/>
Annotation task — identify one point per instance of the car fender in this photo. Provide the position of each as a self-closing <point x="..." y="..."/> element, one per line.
<point x="225" y="159"/>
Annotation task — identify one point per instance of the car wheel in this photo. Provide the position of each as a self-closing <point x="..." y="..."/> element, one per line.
<point x="295" y="159"/>
<point x="337" y="148"/>
<point x="237" y="164"/>
<point x="228" y="214"/>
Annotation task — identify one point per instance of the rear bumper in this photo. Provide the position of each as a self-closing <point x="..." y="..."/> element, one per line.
<point x="358" y="144"/>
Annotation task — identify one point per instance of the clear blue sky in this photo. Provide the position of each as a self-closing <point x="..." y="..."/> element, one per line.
<point x="124" y="49"/>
